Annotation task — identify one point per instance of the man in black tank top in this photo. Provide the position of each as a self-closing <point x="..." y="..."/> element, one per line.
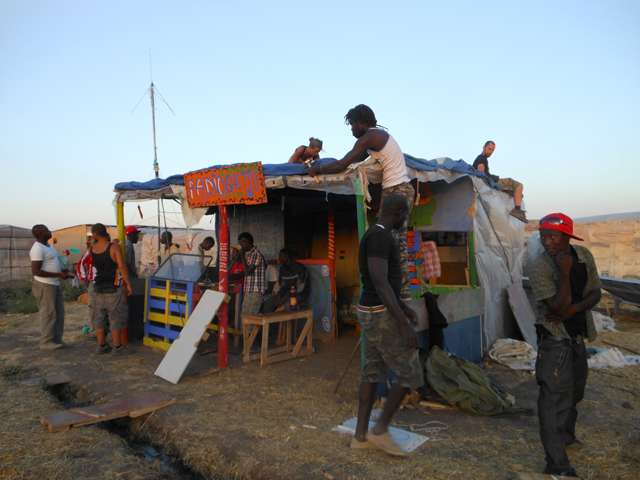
<point x="109" y="304"/>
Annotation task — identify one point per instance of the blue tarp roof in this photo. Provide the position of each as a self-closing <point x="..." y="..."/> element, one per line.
<point x="458" y="166"/>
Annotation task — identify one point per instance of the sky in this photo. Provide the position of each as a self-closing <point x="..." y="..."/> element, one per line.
<point x="554" y="84"/>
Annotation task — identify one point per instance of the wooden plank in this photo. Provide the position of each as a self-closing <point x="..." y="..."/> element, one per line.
<point x="58" y="422"/>
<point x="302" y="338"/>
<point x="279" y="316"/>
<point x="184" y="348"/>
<point x="249" y="342"/>
<point x="87" y="411"/>
<point x="143" y="411"/>
<point x="265" y="343"/>
<point x="48" y="380"/>
<point x="524" y="314"/>
<point x="124" y="406"/>
<point x="287" y="356"/>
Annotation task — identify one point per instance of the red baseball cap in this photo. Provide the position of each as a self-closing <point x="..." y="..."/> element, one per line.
<point x="130" y="229"/>
<point x="560" y="222"/>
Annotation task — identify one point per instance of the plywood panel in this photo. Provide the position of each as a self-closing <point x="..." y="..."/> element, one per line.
<point x="184" y="348"/>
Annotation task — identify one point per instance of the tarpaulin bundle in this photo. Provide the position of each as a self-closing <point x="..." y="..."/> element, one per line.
<point x="465" y="384"/>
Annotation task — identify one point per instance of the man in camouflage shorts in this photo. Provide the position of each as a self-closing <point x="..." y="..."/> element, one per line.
<point x="390" y="341"/>
<point x="509" y="185"/>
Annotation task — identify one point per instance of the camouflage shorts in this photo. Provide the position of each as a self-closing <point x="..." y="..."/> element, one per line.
<point x="509" y="185"/>
<point x="384" y="350"/>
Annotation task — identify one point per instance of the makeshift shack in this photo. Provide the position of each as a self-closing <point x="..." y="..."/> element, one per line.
<point x="15" y="245"/>
<point x="467" y="216"/>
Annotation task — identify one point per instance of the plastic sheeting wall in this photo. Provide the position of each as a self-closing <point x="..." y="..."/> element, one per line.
<point x="147" y="248"/>
<point x="15" y="245"/>
<point x="499" y="240"/>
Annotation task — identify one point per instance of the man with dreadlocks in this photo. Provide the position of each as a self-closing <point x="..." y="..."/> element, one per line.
<point x="376" y="142"/>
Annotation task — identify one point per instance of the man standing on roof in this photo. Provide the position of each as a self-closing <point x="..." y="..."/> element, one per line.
<point x="390" y="341"/>
<point x="132" y="238"/>
<point x="509" y="185"/>
<point x="109" y="302"/>
<point x="376" y="142"/>
<point x="46" y="288"/>
<point x="566" y="286"/>
<point x="253" y="264"/>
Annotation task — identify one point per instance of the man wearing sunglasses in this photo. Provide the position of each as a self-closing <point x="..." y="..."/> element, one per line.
<point x="509" y="185"/>
<point x="566" y="286"/>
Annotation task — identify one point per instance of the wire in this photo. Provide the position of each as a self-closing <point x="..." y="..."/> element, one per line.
<point x="134" y="108"/>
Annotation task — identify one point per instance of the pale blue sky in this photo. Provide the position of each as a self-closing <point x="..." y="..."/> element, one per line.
<point x="554" y="84"/>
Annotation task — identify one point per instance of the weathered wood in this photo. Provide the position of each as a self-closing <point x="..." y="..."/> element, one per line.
<point x="49" y="380"/>
<point x="144" y="411"/>
<point x="264" y="320"/>
<point x="134" y="406"/>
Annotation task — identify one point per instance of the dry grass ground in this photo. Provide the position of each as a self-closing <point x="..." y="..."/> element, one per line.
<point x="251" y="422"/>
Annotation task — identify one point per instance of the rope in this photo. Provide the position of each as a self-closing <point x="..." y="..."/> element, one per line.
<point x="433" y="431"/>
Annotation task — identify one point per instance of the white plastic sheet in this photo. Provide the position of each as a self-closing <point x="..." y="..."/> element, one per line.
<point x="612" y="357"/>
<point x="515" y="354"/>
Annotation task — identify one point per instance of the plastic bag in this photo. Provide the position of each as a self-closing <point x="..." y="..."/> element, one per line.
<point x="75" y="283"/>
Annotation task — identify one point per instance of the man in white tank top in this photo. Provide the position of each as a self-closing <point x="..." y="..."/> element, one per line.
<point x="377" y="143"/>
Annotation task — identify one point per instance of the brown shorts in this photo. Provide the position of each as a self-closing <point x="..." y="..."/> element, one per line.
<point x="509" y="185"/>
<point x="110" y="310"/>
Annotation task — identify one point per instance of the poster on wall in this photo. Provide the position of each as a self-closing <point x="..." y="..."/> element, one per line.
<point x="320" y="298"/>
<point x="233" y="184"/>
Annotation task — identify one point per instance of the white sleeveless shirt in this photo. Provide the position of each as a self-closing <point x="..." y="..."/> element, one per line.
<point x="391" y="159"/>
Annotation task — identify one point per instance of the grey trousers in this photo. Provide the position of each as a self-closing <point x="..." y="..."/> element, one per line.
<point x="561" y="373"/>
<point x="51" y="310"/>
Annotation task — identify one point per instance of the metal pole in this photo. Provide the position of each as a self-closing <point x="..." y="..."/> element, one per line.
<point x="156" y="167"/>
<point x="223" y="312"/>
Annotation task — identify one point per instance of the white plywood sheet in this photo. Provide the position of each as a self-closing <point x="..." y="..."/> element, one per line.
<point x="524" y="314"/>
<point x="407" y="440"/>
<point x="184" y="348"/>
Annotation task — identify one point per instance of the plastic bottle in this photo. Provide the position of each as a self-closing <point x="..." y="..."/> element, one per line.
<point x="293" y="299"/>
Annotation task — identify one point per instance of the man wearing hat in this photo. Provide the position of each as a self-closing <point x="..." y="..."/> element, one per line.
<point x="129" y="252"/>
<point x="566" y="286"/>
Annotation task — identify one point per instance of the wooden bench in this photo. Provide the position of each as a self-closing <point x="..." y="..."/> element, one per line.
<point x="262" y="321"/>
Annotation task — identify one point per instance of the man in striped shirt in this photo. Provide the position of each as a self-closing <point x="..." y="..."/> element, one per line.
<point x="254" y="266"/>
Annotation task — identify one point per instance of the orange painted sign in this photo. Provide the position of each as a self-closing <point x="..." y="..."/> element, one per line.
<point x="241" y="183"/>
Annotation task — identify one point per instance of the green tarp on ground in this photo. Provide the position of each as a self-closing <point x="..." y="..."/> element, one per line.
<point x="465" y="384"/>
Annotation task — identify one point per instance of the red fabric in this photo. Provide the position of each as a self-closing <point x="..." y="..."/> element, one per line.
<point x="85" y="269"/>
<point x="431" y="267"/>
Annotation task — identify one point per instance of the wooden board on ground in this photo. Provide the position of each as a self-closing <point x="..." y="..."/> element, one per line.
<point x="133" y="407"/>
<point x="540" y="476"/>
<point x="524" y="314"/>
<point x="49" y="380"/>
<point x="184" y="347"/>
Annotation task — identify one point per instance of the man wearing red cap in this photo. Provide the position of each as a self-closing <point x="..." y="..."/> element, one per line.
<point x="129" y="252"/>
<point x="566" y="286"/>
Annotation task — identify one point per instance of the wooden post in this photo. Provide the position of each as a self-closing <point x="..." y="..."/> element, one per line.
<point x="120" y="220"/>
<point x="223" y="311"/>
<point x="473" y="268"/>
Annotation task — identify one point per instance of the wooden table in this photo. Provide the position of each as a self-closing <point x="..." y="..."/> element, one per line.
<point x="262" y="321"/>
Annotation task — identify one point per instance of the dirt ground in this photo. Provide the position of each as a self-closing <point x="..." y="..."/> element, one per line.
<point x="275" y="422"/>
